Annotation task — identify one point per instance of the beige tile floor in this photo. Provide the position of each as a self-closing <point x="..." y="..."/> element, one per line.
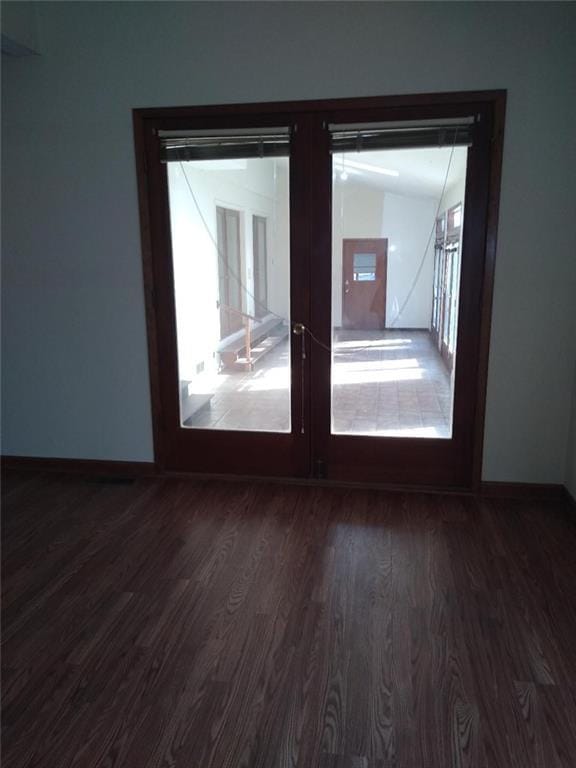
<point x="388" y="383"/>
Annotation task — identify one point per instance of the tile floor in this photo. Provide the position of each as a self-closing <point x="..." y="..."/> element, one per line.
<point x="391" y="383"/>
<point x="256" y="400"/>
<point x="387" y="383"/>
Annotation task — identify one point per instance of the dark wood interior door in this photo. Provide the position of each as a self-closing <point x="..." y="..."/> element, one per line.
<point x="364" y="267"/>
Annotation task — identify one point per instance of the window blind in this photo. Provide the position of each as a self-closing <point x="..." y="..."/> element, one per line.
<point x="225" y="145"/>
<point x="370" y="138"/>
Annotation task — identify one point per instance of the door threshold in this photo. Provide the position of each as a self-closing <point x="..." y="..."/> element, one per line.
<point x="315" y="482"/>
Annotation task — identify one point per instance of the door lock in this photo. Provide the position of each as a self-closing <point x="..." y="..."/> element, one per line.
<point x="298" y="329"/>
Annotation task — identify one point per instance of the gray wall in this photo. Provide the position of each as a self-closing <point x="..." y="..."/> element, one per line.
<point x="75" y="380"/>
<point x="19" y="35"/>
<point x="570" y="479"/>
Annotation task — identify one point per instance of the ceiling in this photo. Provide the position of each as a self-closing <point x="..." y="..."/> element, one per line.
<point x="412" y="172"/>
<point x="418" y="172"/>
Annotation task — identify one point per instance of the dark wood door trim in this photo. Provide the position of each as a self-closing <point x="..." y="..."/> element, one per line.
<point x="498" y="104"/>
<point x="278" y="110"/>
<point x="142" y="130"/>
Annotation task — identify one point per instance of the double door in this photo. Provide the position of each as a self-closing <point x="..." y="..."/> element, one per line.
<point x="318" y="220"/>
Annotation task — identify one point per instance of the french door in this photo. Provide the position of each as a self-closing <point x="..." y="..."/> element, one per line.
<point x="291" y="287"/>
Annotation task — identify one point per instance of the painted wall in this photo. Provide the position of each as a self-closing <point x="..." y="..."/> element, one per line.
<point x="75" y="380"/>
<point x="19" y="31"/>
<point x="570" y="478"/>
<point x="407" y="223"/>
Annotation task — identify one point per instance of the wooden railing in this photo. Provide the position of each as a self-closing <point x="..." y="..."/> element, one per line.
<point x="247" y="323"/>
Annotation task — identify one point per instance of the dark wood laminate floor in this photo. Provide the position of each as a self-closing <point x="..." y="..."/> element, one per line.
<point x="220" y="625"/>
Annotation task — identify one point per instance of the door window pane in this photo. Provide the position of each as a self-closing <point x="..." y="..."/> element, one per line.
<point x="364" y="266"/>
<point x="230" y="248"/>
<point x="395" y="285"/>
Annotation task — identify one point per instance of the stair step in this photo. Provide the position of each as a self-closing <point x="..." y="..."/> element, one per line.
<point x="265" y="337"/>
<point x="262" y="348"/>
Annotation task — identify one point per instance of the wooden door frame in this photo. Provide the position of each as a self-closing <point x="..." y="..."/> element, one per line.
<point x="153" y="214"/>
<point x="384" y="240"/>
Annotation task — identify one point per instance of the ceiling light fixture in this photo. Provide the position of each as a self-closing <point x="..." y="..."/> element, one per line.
<point x="368" y="167"/>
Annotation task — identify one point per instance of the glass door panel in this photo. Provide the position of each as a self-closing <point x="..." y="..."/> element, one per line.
<point x="229" y="221"/>
<point x="395" y="286"/>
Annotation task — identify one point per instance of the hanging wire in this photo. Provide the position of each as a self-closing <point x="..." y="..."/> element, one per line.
<point x="316" y="340"/>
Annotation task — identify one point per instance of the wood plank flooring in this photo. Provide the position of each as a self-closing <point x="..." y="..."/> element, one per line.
<point x="202" y="624"/>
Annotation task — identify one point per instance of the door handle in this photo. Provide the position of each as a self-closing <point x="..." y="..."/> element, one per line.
<point x="347" y="286"/>
<point x="299" y="329"/>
